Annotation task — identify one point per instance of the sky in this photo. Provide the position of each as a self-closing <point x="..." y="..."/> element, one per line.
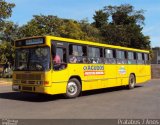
<point x="82" y="9"/>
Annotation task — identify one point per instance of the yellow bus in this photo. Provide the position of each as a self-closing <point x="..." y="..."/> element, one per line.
<point x="55" y="65"/>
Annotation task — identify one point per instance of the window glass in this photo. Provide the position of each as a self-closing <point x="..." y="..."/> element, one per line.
<point x="130" y="55"/>
<point x="131" y="58"/>
<point x="21" y="59"/>
<point x="146" y="57"/>
<point x="121" y="58"/>
<point x="140" y="59"/>
<point x="77" y="54"/>
<point x="108" y="53"/>
<point x="33" y="59"/>
<point x="59" y="60"/>
<point x="109" y="56"/>
<point x="59" y="52"/>
<point x="94" y="55"/>
<point x="120" y="54"/>
<point x="77" y="49"/>
<point x="94" y="52"/>
<point x="139" y="56"/>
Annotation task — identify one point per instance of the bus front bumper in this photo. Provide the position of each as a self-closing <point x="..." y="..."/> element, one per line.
<point x="32" y="89"/>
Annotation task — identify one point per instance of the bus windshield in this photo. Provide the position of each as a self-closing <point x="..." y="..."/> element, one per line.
<point x="32" y="59"/>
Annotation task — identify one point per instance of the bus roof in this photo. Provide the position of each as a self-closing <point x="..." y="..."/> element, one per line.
<point x="95" y="44"/>
<point x="88" y="43"/>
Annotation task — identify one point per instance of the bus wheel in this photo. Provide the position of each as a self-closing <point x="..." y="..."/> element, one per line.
<point x="132" y="81"/>
<point x="73" y="88"/>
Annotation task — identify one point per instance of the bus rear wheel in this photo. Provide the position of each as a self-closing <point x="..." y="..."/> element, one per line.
<point x="132" y="81"/>
<point x="73" y="88"/>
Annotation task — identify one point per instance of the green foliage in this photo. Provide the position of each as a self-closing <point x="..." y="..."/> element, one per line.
<point x="7" y="32"/>
<point x="124" y="14"/>
<point x="10" y="32"/>
<point x="124" y="27"/>
<point x="7" y="52"/>
<point x="5" y="12"/>
<point x="90" y="32"/>
<point x="100" y="18"/>
<point x="41" y="25"/>
<point x="70" y="29"/>
<point x="51" y="25"/>
<point x="7" y="38"/>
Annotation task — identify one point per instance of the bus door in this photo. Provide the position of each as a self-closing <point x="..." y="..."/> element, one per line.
<point x="59" y="65"/>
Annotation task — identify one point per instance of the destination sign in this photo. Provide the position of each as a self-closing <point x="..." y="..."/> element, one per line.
<point x="34" y="41"/>
<point x="29" y="42"/>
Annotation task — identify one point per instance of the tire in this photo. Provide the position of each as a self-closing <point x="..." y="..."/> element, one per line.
<point x="132" y="81"/>
<point x="73" y="88"/>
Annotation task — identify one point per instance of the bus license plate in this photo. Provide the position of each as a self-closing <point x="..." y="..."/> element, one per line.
<point x="15" y="87"/>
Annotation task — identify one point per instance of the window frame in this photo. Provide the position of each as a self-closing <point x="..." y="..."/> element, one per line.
<point x="101" y="54"/>
<point x="132" y="61"/>
<point x="122" y="60"/>
<point x="147" y="61"/>
<point x="83" y="57"/>
<point x="112" y="60"/>
<point x="140" y="61"/>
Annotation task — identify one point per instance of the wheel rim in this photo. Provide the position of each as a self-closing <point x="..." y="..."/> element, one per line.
<point x="132" y="82"/>
<point x="72" y="88"/>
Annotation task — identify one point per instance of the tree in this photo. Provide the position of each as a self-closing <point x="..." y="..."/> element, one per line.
<point x="7" y="32"/>
<point x="52" y="25"/>
<point x="7" y="52"/>
<point x="41" y="25"/>
<point x="5" y="12"/>
<point x="71" y="29"/>
<point x="91" y="33"/>
<point x="10" y="32"/>
<point x="100" y="18"/>
<point x="125" y="14"/>
<point x="124" y="27"/>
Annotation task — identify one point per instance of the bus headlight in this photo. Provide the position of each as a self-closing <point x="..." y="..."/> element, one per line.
<point x="16" y="81"/>
<point x="45" y="83"/>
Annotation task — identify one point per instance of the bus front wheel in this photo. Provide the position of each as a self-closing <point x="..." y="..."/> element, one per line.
<point x="73" y="88"/>
<point x="132" y="81"/>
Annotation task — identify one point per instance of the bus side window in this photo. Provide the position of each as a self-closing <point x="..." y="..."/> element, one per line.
<point x="121" y="57"/>
<point x="146" y="58"/>
<point x="109" y="57"/>
<point x="140" y="58"/>
<point x="95" y="55"/>
<point x="59" y="60"/>
<point x="131" y="58"/>
<point x="77" y="53"/>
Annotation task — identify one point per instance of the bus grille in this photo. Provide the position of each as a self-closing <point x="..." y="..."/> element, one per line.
<point x="28" y="76"/>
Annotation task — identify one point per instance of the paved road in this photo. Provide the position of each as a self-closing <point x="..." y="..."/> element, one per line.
<point x="141" y="102"/>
